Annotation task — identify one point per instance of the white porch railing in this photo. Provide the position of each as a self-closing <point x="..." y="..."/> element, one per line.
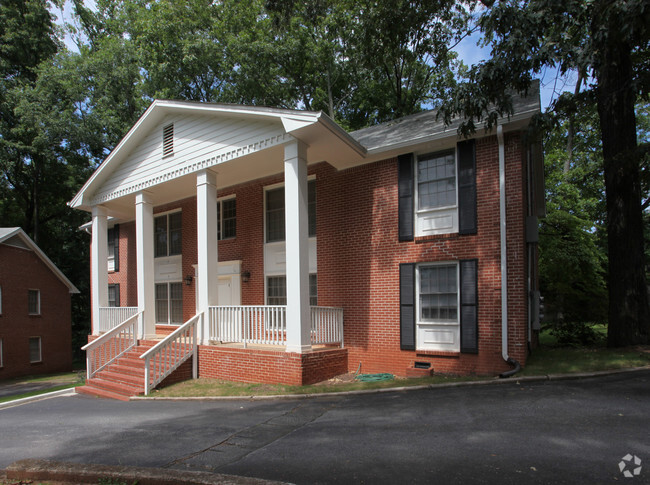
<point x="266" y="324"/>
<point x="167" y="355"/>
<point x="107" y="348"/>
<point x="111" y="317"/>
<point x="326" y="325"/>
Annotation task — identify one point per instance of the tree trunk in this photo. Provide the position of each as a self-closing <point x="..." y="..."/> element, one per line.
<point x="629" y="322"/>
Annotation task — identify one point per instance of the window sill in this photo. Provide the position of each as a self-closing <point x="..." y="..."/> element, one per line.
<point x="437" y="353"/>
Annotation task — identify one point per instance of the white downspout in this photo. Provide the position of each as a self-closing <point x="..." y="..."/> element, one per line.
<point x="504" y="256"/>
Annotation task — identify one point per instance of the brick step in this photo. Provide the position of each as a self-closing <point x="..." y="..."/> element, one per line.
<point x="113" y="375"/>
<point x="116" y="387"/>
<point x="131" y="361"/>
<point x="127" y="369"/>
<point x="97" y="392"/>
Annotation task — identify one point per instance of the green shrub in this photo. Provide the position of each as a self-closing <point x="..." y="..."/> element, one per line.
<point x="574" y="334"/>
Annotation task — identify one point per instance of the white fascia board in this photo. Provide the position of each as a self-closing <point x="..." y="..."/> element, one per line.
<point x="17" y="231"/>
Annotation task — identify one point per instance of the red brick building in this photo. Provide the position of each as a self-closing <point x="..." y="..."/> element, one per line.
<point x="35" y="321"/>
<point x="295" y="251"/>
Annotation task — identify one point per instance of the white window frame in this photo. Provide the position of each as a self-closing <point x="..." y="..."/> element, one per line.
<point x="220" y="202"/>
<point x="40" y="350"/>
<point x="311" y="178"/>
<point x="438" y="220"/>
<point x="266" y="287"/>
<point x="169" y="309"/>
<point x="117" y="299"/>
<point x="110" y="235"/>
<point x="167" y="214"/>
<point x="38" y="302"/>
<point x="440" y="327"/>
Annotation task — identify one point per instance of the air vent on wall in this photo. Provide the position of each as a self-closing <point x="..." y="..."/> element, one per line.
<point x="168" y="140"/>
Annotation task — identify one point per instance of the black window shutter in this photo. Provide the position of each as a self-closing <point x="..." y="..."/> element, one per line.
<point x="469" y="306"/>
<point x="467" y="187"/>
<point x="117" y="295"/>
<point x="116" y="248"/>
<point x="407" y="306"/>
<point x="405" y="193"/>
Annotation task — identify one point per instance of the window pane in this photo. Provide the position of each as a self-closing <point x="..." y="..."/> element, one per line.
<point x="275" y="215"/>
<point x="437" y="181"/>
<point x="438" y="292"/>
<point x="33" y="302"/>
<point x="229" y="219"/>
<point x="160" y="236"/>
<point x="313" y="290"/>
<point x="111" y="296"/>
<point x="175" y="233"/>
<point x="176" y="302"/>
<point x="35" y="349"/>
<point x="311" y="207"/>
<point x="111" y="243"/>
<point x="276" y="290"/>
<point x="161" y="303"/>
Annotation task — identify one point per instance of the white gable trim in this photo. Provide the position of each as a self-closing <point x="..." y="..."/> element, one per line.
<point x="197" y="166"/>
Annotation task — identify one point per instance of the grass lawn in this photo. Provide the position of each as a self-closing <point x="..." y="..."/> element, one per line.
<point x="548" y="358"/>
<point x="54" y="382"/>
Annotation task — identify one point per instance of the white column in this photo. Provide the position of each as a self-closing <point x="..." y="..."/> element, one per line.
<point x="144" y="261"/>
<point x="99" y="264"/>
<point x="206" y="235"/>
<point x="297" y="247"/>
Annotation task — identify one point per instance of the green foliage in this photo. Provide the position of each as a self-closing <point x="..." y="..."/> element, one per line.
<point x="572" y="245"/>
<point x="574" y="334"/>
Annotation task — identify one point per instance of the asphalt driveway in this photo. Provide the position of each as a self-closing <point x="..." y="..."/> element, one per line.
<point x="548" y="432"/>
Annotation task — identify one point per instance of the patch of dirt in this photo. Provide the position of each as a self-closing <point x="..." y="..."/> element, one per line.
<point x="349" y="377"/>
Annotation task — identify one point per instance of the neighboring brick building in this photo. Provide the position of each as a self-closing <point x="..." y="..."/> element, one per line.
<point x="35" y="321"/>
<point x="395" y="231"/>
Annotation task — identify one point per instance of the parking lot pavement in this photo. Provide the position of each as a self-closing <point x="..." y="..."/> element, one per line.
<point x="577" y="431"/>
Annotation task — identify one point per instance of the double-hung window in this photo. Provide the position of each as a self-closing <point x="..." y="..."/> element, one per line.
<point x="169" y="303"/>
<point x="35" y="350"/>
<point x="113" y="248"/>
<point x="226" y="218"/>
<point x="114" y="295"/>
<point x="438" y="326"/>
<point x="34" y="302"/>
<point x="275" y="223"/>
<point x="168" y="230"/>
<point x="276" y="290"/>
<point x="436" y="190"/>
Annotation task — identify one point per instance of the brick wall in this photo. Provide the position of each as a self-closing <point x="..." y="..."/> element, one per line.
<point x="358" y="264"/>
<point x="21" y="270"/>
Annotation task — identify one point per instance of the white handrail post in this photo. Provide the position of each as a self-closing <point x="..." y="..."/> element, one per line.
<point x="195" y="353"/>
<point x="146" y="376"/>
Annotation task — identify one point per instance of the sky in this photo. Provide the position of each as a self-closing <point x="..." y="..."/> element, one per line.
<point x="551" y="86"/>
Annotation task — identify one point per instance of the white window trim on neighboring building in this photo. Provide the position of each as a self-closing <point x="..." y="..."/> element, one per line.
<point x="441" y="219"/>
<point x="437" y="334"/>
<point x="37" y="311"/>
<point x="40" y="350"/>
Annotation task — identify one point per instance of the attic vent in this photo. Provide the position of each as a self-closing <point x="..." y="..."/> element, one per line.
<point x="168" y="140"/>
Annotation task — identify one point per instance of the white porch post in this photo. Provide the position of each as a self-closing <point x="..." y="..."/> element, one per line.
<point x="99" y="257"/>
<point x="145" y="268"/>
<point x="297" y="247"/>
<point x="206" y="235"/>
